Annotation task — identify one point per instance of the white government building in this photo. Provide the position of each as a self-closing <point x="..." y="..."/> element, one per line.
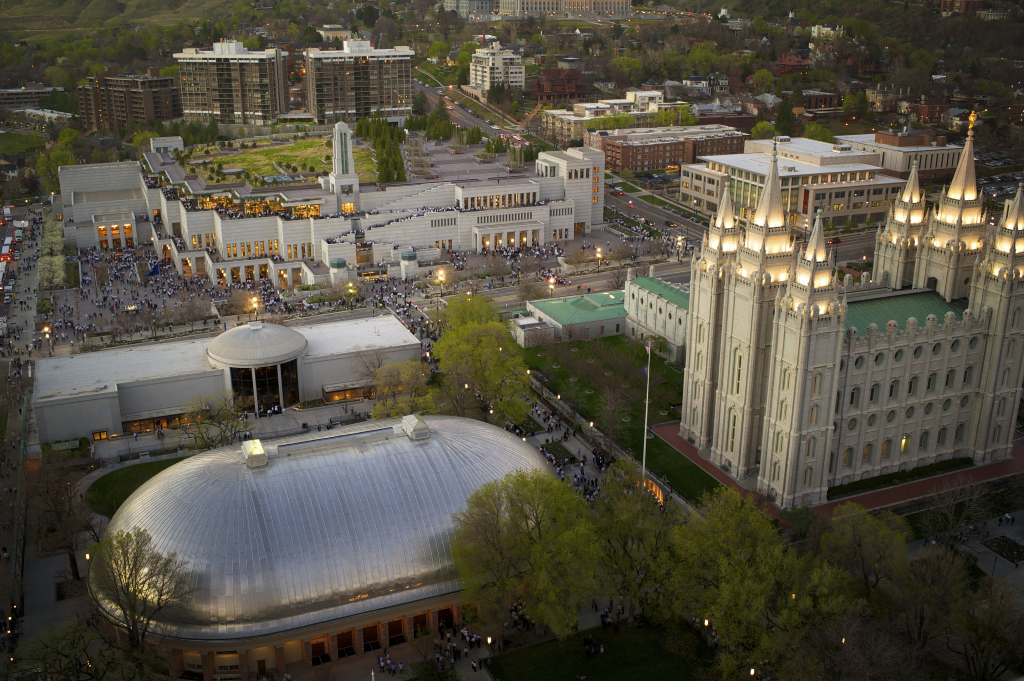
<point x="326" y="232"/>
<point x="138" y="388"/>
<point x="796" y="380"/>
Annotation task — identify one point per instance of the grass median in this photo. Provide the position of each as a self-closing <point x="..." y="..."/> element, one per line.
<point x="109" y="492"/>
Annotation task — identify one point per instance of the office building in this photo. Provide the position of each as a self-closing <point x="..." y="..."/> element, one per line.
<point x="359" y="81"/>
<point x="896" y="151"/>
<point x="495" y="65"/>
<point x="472" y="9"/>
<point x="847" y="185"/>
<point x="565" y="9"/>
<point x="112" y="102"/>
<point x="645" y="149"/>
<point x="564" y="127"/>
<point x="231" y="85"/>
<point x="25" y="97"/>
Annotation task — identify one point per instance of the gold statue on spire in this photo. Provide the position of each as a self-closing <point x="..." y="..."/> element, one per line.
<point x="972" y="118"/>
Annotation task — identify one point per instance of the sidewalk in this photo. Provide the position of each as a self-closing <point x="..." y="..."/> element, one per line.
<point x="881" y="498"/>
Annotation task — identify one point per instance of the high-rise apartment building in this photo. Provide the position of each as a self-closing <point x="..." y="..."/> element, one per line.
<point x="495" y="65"/>
<point x="230" y="84"/>
<point x="110" y="102"/>
<point x="359" y="81"/>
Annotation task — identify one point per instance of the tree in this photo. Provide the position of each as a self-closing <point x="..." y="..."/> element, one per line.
<point x="527" y="290"/>
<point x="924" y="592"/>
<point x="784" y="119"/>
<point x="526" y="535"/>
<point x="632" y="67"/>
<point x="763" y="80"/>
<point x="816" y="131"/>
<point x="470" y="310"/>
<point x="420" y="105"/>
<point x="620" y="252"/>
<point x="958" y="506"/>
<point x="635" y="536"/>
<point x="215" y="420"/>
<point x="134" y="583"/>
<point x="797" y="100"/>
<point x="63" y="513"/>
<point x="402" y="389"/>
<point x="72" y="652"/>
<point x="988" y="631"/>
<point x="762" y="131"/>
<point x="870" y="547"/>
<point x="195" y="310"/>
<point x="578" y="256"/>
<point x="439" y="50"/>
<point x="617" y="278"/>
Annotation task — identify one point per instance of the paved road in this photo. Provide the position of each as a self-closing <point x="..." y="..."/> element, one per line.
<point x="854" y="247"/>
<point x="458" y="115"/>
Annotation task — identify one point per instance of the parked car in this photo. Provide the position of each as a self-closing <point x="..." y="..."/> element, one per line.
<point x="835" y="241"/>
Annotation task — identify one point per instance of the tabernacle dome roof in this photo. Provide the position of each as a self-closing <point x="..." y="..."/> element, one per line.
<point x="327" y="526"/>
<point x="256" y="345"/>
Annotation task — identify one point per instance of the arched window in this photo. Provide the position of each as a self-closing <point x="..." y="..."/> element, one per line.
<point x="968" y="375"/>
<point x="951" y="378"/>
<point x="775" y="470"/>
<point x="867" y="452"/>
<point x="922" y="442"/>
<point x="958" y="437"/>
<point x="700" y="333"/>
<point x="932" y="378"/>
<point x="696" y="390"/>
<point x="700" y="361"/>
<point x="783" y="410"/>
<point x="855" y="397"/>
<point x="873" y="394"/>
<point x="996" y="435"/>
<point x="811" y="446"/>
<point x="1009" y="349"/>
<point x="1006" y="378"/>
<point x="816" y="384"/>
<point x="731" y="423"/>
<point x="785" y="379"/>
<point x="839" y="399"/>
<point x="1016" y="318"/>
<point x="1002" y="407"/>
<point x="912" y="386"/>
<point x="941" y="439"/>
<point x="813" y="419"/>
<point x="894" y="390"/>
<point x="886" y="449"/>
<point x="808" y="476"/>
<point x="737" y="372"/>
<point x="848" y="457"/>
<point x="777" y="446"/>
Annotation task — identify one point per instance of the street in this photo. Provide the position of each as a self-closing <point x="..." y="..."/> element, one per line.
<point x="458" y="115"/>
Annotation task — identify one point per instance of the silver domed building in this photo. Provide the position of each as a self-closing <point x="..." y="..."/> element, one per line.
<point x="310" y="548"/>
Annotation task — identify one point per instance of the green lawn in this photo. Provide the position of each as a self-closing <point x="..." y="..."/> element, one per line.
<point x="544" y="146"/>
<point x="443" y="75"/>
<point x="654" y="200"/>
<point x="17" y="143"/>
<point x="629" y="189"/>
<point x="366" y="166"/>
<point x="630" y="653"/>
<point x="261" y="160"/>
<point x="108" y="494"/>
<point x="617" y="356"/>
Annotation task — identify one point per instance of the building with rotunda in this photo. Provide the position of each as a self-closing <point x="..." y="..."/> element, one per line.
<point x="797" y="380"/>
<point x="305" y="550"/>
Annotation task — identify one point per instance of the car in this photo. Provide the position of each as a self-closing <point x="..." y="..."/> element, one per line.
<point x="669" y="223"/>
<point x="835" y="241"/>
<point x="617" y="193"/>
<point x="7" y="299"/>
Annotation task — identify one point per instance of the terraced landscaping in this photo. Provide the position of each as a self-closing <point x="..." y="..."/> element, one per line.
<point x="260" y="161"/>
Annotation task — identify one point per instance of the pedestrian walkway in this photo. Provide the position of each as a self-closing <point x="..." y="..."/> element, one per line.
<point x="882" y="498"/>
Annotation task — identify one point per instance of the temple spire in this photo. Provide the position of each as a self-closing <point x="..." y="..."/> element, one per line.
<point x="912" y="192"/>
<point x="816" y="250"/>
<point x="724" y="218"/>
<point x="769" y="209"/>
<point x="1013" y="213"/>
<point x="964" y="185"/>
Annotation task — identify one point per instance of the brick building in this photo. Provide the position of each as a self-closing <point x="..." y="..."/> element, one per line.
<point x="233" y="85"/>
<point x="659" y="153"/>
<point x="559" y="85"/>
<point x="792" y="64"/>
<point x="966" y="8"/>
<point x="110" y="102"/>
<point x="930" y="110"/>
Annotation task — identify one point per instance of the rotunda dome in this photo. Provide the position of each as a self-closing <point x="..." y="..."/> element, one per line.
<point x="256" y="344"/>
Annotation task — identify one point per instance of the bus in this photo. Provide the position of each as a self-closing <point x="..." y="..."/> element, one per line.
<point x="5" y="254"/>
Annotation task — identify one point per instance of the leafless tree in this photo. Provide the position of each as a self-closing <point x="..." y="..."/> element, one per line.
<point x="214" y="420"/>
<point x="617" y="279"/>
<point x="958" y="505"/>
<point x="527" y="291"/>
<point x="611" y="409"/>
<point x="369" y="366"/>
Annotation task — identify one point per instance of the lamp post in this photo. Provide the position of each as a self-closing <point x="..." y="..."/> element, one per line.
<point x="598" y="258"/>
<point x="255" y="307"/>
<point x="551" y="287"/>
<point x="46" y="333"/>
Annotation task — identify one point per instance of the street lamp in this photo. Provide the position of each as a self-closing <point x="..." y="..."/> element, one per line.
<point x="598" y="258"/>
<point x="551" y="287"/>
<point x="255" y="308"/>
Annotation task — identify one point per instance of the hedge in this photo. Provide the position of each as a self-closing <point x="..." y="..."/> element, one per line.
<point x="858" y="486"/>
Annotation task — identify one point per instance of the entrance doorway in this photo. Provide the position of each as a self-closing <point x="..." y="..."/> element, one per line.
<point x="249" y="273"/>
<point x="396" y="632"/>
<point x="445" y="618"/>
<point x="318" y="648"/>
<point x="346" y="646"/>
<point x="261" y="667"/>
<point x="371" y="638"/>
<point x="580" y="228"/>
<point x="933" y="283"/>
<point x="419" y="625"/>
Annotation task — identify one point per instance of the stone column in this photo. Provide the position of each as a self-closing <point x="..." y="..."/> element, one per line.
<point x="385" y="633"/>
<point x="457" y="614"/>
<point x="177" y="664"/>
<point x="334" y="647"/>
<point x="208" y="666"/>
<point x="431" y="624"/>
<point x="307" y="653"/>
<point x="279" y="659"/>
<point x="243" y="664"/>
<point x="359" y="640"/>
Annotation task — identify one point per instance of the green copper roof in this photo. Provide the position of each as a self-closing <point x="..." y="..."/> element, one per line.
<point x="673" y="294"/>
<point x="880" y="311"/>
<point x="593" y="307"/>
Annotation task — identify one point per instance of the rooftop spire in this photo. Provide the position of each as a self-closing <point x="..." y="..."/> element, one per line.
<point x="1013" y="217"/>
<point x="964" y="185"/>
<point x="724" y="218"/>
<point x="912" y="192"/>
<point x="769" y="209"/>
<point x="816" y="251"/>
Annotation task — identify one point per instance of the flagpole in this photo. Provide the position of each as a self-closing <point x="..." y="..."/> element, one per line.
<point x="647" y="407"/>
